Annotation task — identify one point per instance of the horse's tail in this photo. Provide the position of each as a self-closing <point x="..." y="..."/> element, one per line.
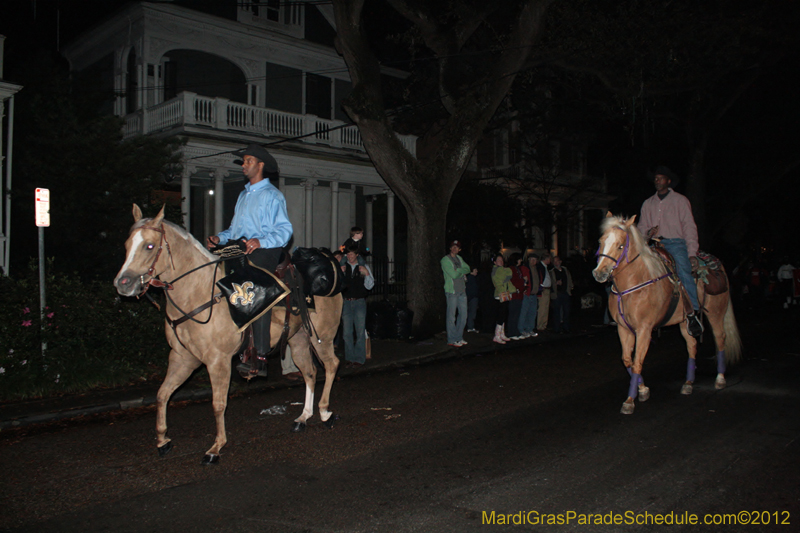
<point x="733" y="342"/>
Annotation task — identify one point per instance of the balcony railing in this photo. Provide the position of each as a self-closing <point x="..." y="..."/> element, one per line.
<point x="190" y="109"/>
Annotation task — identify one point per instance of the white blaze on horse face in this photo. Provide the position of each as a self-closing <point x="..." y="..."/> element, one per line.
<point x="135" y="242"/>
<point x="608" y="246"/>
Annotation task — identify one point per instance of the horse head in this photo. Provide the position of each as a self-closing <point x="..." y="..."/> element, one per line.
<point x="614" y="246"/>
<point x="143" y="251"/>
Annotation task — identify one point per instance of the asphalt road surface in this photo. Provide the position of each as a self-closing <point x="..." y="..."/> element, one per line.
<point x="527" y="439"/>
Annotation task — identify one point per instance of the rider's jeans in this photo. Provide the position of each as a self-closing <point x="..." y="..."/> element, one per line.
<point x="677" y="249"/>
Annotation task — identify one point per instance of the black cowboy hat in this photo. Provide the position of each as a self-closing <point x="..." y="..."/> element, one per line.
<point x="674" y="180"/>
<point x="259" y="152"/>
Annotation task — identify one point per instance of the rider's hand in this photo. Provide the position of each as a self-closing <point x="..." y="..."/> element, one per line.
<point x="652" y="232"/>
<point x="252" y="245"/>
<point x="212" y="241"/>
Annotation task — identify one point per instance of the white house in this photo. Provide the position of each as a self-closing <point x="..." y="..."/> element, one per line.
<point x="226" y="74"/>
<point x="7" y="92"/>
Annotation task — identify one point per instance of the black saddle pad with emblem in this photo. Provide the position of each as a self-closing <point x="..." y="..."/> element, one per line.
<point x="250" y="292"/>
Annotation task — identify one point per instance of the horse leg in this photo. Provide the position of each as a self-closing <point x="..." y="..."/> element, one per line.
<point x="637" y="388"/>
<point x="691" y="363"/>
<point x="628" y="341"/>
<point x="180" y="368"/>
<point x="219" y="371"/>
<point x="717" y="306"/>
<point x="301" y="354"/>
<point x="331" y="362"/>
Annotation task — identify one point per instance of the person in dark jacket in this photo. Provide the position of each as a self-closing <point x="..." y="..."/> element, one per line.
<point x="472" y="300"/>
<point x="359" y="281"/>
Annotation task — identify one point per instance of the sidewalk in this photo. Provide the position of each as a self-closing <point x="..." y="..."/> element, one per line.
<point x="386" y="355"/>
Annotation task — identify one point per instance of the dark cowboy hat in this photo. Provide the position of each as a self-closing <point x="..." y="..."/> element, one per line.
<point x="259" y="152"/>
<point x="674" y="180"/>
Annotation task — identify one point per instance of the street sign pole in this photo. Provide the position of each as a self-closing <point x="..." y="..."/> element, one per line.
<point x="42" y="221"/>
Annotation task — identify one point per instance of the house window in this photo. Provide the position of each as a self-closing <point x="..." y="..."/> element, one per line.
<point x="318" y="96"/>
<point x="283" y="88"/>
<point x="273" y="10"/>
<point x="132" y="86"/>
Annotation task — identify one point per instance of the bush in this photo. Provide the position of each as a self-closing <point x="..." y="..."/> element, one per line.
<point x="94" y="338"/>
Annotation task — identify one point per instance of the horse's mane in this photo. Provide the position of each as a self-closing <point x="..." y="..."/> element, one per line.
<point x="182" y="233"/>
<point x="653" y="263"/>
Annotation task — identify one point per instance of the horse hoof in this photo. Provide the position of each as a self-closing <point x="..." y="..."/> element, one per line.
<point x="686" y="390"/>
<point x="298" y="427"/>
<point x="210" y="459"/>
<point x="627" y="408"/>
<point x="330" y="421"/>
<point x="165" y="449"/>
<point x="720" y="382"/>
<point x="644" y="394"/>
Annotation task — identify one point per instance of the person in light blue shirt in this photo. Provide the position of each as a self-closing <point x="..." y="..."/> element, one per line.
<point x="261" y="221"/>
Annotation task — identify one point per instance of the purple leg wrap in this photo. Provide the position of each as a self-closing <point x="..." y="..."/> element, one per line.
<point x="633" y="388"/>
<point x="690" y="366"/>
<point x="630" y="373"/>
<point x="721" y="362"/>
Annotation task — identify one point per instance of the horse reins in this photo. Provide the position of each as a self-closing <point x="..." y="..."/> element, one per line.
<point x="168" y="286"/>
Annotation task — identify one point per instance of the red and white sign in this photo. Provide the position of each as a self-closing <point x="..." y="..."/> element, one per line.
<point x="43" y="208"/>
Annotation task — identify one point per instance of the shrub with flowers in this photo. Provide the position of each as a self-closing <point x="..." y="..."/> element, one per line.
<point x="93" y="337"/>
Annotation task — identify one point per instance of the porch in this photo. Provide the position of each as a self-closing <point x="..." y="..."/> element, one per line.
<point x="221" y="114"/>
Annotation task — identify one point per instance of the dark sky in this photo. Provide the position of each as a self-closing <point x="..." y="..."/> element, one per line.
<point x="746" y="163"/>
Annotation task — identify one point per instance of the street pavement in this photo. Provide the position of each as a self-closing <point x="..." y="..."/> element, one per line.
<point x="386" y="355"/>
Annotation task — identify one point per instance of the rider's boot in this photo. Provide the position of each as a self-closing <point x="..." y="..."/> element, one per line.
<point x="695" y="323"/>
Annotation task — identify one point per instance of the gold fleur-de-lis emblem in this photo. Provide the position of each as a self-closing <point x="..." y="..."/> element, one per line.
<point x="243" y="292"/>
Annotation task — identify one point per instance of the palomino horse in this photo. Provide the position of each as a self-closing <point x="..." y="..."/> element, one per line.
<point x="640" y="302"/>
<point x="210" y="337"/>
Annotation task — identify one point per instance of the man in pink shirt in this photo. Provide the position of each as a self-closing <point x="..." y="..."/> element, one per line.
<point x="669" y="214"/>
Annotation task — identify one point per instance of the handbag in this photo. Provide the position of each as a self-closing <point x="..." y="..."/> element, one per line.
<point x="505" y="296"/>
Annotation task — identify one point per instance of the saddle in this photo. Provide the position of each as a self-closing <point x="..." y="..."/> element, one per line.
<point x="709" y="270"/>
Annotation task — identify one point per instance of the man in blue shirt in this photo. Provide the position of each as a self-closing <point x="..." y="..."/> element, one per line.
<point x="261" y="221"/>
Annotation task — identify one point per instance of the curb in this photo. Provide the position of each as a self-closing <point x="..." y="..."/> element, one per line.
<point x="196" y="394"/>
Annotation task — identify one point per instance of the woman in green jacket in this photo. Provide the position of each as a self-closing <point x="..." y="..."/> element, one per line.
<point x="501" y="278"/>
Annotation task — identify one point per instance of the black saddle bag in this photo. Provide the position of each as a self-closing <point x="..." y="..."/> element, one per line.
<point x="321" y="273"/>
<point x="250" y="292"/>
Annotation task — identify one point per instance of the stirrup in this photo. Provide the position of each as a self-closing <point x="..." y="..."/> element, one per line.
<point x="695" y="324"/>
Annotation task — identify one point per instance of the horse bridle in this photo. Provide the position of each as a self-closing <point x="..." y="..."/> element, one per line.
<point x="635" y="288"/>
<point x="155" y="282"/>
<point x="168" y="286"/>
<point x="624" y="254"/>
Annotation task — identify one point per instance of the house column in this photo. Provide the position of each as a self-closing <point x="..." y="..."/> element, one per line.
<point x="219" y="180"/>
<point x="334" y="215"/>
<point x="186" y="197"/>
<point x="308" y="193"/>
<point x="368" y="229"/>
<point x="390" y="232"/>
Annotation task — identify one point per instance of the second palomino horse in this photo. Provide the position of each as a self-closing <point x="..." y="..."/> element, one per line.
<point x="206" y="334"/>
<point x="641" y="301"/>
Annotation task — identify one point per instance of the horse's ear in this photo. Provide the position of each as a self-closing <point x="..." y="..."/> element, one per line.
<point x="630" y="221"/>
<point x="609" y="215"/>
<point x="159" y="216"/>
<point x="137" y="213"/>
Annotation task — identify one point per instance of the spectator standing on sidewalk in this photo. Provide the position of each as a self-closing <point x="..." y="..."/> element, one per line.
<point x="530" y="299"/>
<point x="544" y="293"/>
<point x="785" y="281"/>
<point x="561" y="294"/>
<point x="501" y="279"/>
<point x="455" y="270"/>
<point x="515" y="305"/>
<point x="473" y="297"/>
<point x="359" y="281"/>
